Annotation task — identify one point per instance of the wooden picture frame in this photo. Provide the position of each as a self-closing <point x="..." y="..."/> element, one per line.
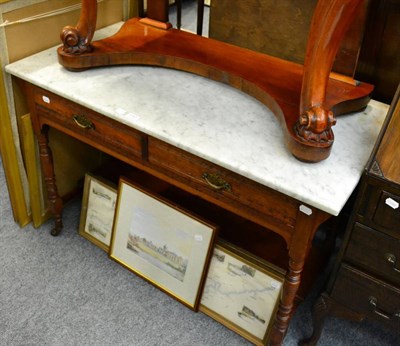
<point x="161" y="243"/>
<point x="97" y="211"/>
<point x="242" y="292"/>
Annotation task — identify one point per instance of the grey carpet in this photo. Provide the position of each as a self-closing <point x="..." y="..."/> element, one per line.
<point x="66" y="291"/>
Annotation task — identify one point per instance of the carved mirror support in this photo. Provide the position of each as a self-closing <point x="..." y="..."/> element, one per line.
<point x="305" y="99"/>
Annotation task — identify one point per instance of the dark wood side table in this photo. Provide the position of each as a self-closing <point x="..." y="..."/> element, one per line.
<point x="365" y="282"/>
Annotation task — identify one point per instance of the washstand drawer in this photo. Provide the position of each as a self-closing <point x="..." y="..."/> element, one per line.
<point x="222" y="184"/>
<point x="87" y="125"/>
<point x="367" y="295"/>
<point x="387" y="212"/>
<point x="374" y="251"/>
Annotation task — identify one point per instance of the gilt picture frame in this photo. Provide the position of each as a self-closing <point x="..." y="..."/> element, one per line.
<point x="97" y="211"/>
<point x="162" y="243"/>
<point x="242" y="292"/>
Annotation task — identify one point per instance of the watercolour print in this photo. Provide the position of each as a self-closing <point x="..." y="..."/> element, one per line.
<point x="242" y="292"/>
<point x="97" y="213"/>
<point x="161" y="243"/>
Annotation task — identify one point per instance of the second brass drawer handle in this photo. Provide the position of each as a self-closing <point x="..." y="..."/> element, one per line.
<point x="83" y="122"/>
<point x="374" y="304"/>
<point x="216" y="182"/>
<point x="392" y="260"/>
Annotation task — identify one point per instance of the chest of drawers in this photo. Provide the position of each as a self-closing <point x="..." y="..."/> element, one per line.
<point x="365" y="282"/>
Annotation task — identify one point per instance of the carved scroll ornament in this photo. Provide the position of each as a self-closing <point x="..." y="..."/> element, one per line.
<point x="77" y="39"/>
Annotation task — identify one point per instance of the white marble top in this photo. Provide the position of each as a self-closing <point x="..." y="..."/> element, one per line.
<point x="215" y="122"/>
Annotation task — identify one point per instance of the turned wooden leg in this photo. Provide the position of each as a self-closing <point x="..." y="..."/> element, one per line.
<point x="54" y="200"/>
<point x="290" y="288"/>
<point x="307" y="222"/>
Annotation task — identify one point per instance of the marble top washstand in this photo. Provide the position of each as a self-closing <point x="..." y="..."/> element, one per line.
<point x="215" y="122"/>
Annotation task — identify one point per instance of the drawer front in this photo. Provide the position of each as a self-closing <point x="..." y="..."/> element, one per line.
<point x="367" y="295"/>
<point x="87" y="125"/>
<point x="374" y="251"/>
<point x="387" y="212"/>
<point x="223" y="185"/>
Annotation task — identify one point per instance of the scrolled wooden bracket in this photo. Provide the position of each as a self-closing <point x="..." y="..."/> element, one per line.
<point x="77" y="39"/>
<point x="330" y="22"/>
<point x="315" y="124"/>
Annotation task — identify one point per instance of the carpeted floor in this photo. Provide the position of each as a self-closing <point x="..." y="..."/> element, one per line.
<point x="63" y="290"/>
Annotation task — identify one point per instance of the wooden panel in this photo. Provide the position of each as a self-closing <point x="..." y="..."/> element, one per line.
<point x="279" y="28"/>
<point x="379" y="62"/>
<point x="10" y="162"/>
<point x="360" y="292"/>
<point x="374" y="251"/>
<point x="388" y="155"/>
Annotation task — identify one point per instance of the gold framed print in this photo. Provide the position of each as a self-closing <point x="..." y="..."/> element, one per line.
<point x="161" y="242"/>
<point x="97" y="212"/>
<point x="242" y="292"/>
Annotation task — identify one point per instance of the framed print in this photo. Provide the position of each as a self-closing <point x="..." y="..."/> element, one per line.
<point x="97" y="213"/>
<point x="242" y="292"/>
<point x="161" y="243"/>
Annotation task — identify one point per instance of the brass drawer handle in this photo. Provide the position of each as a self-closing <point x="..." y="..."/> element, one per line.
<point x="374" y="303"/>
<point x="216" y="182"/>
<point x="83" y="122"/>
<point x="392" y="260"/>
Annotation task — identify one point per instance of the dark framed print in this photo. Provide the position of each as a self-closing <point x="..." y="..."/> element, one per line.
<point x="97" y="212"/>
<point x="242" y="292"/>
<point x="161" y="243"/>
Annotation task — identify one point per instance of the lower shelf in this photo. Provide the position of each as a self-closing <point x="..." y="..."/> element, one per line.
<point x="235" y="229"/>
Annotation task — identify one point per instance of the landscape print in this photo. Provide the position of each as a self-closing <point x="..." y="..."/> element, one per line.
<point x="164" y="247"/>
<point x="240" y="293"/>
<point x="100" y="212"/>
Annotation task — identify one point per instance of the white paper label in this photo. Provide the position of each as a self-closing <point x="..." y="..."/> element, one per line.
<point x="198" y="237"/>
<point x="45" y="99"/>
<point x="305" y="210"/>
<point x="120" y="111"/>
<point x="392" y="203"/>
<point x="127" y="115"/>
<point x="133" y="117"/>
<point x="274" y="284"/>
